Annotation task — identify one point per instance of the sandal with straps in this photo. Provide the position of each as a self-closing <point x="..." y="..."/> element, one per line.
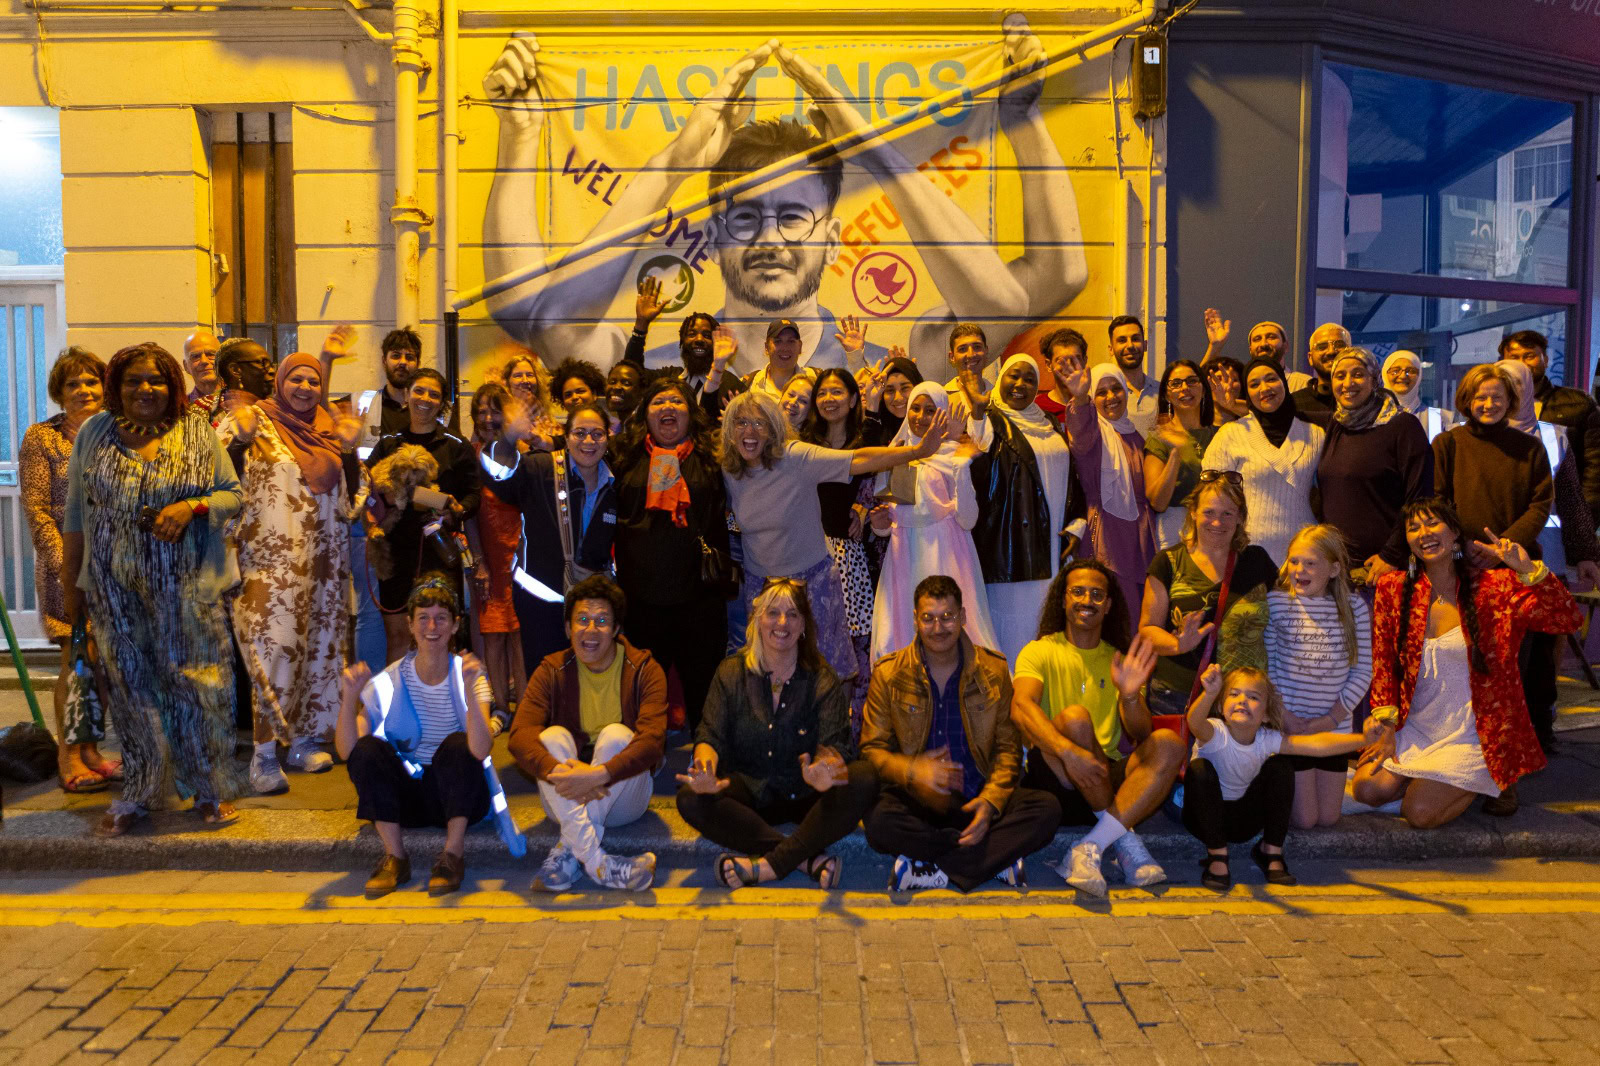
<point x="1220" y="882"/>
<point x="825" y="867"/>
<point x="1280" y="876"/>
<point x="746" y="879"/>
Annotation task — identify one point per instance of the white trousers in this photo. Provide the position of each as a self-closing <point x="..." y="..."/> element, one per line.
<point x="583" y="824"/>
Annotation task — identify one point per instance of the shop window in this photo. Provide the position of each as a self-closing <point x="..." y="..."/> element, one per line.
<point x="252" y="222"/>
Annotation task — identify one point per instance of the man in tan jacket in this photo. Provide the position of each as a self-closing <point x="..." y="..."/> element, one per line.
<point x="937" y="730"/>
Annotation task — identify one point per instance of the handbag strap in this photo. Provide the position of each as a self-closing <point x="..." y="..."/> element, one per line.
<point x="1216" y="624"/>
<point x="563" y="505"/>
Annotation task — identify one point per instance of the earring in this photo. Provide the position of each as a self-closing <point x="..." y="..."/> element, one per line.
<point x="1411" y="566"/>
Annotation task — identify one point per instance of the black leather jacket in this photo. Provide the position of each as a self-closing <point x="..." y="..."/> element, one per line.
<point x="1013" y="534"/>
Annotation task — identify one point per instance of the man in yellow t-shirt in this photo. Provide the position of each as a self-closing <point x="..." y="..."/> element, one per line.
<point x="1078" y="697"/>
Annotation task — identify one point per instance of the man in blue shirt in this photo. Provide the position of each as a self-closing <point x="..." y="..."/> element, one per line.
<point x="937" y="730"/>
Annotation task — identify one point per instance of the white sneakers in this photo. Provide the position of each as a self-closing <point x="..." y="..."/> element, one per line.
<point x="1080" y="867"/>
<point x="266" y="776"/>
<point x="305" y="756"/>
<point x="911" y="875"/>
<point x="1014" y="875"/>
<point x="560" y="870"/>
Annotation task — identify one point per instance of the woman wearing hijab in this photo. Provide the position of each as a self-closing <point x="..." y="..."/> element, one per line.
<point x="1376" y="460"/>
<point x="1402" y="373"/>
<point x="290" y="610"/>
<point x="885" y="407"/>
<point x="1276" y="452"/>
<point x="1022" y="481"/>
<point x="931" y="535"/>
<point x="1110" y="461"/>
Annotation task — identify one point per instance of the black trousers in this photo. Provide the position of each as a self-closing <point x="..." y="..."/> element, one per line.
<point x="1264" y="808"/>
<point x="1537" y="660"/>
<point x="733" y="819"/>
<point x="690" y="636"/>
<point x="452" y="786"/>
<point x="540" y="625"/>
<point x="899" y="825"/>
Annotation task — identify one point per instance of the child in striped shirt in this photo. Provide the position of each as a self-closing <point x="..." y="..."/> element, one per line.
<point x="1319" y="657"/>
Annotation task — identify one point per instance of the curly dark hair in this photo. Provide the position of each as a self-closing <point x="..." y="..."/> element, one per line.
<point x="433" y="589"/>
<point x="815" y="428"/>
<point x="1115" y="630"/>
<point x="177" y="397"/>
<point x="693" y="317"/>
<point x="1164" y="405"/>
<point x="1466" y="585"/>
<point x="73" y="361"/>
<point x="597" y="587"/>
<point x="581" y="369"/>
<point x="629" y="447"/>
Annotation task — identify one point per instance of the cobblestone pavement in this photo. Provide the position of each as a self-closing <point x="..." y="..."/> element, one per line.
<point x="1483" y="965"/>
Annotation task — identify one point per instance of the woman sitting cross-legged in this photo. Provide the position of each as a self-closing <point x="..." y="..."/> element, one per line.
<point x="416" y="738"/>
<point x="1445" y="638"/>
<point x="1241" y="780"/>
<point x="772" y="747"/>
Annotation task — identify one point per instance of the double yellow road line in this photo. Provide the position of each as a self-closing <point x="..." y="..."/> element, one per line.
<point x="411" y="906"/>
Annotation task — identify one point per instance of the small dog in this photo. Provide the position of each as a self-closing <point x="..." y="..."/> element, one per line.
<point x="395" y="478"/>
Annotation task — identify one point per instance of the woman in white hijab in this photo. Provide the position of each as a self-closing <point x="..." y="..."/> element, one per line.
<point x="1402" y="373"/>
<point x="1110" y="455"/>
<point x="1023" y="481"/>
<point x="930" y="536"/>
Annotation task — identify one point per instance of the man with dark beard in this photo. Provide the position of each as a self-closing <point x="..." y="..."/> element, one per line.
<point x="383" y="411"/>
<point x="696" y="339"/>
<point x="1128" y="348"/>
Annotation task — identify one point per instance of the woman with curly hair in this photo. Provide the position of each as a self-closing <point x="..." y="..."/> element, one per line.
<point x="149" y="490"/>
<point x="77" y="384"/>
<point x="1449" y="721"/>
<point x="577" y="381"/>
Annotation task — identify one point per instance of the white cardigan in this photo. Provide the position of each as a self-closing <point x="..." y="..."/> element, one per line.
<point x="1277" y="481"/>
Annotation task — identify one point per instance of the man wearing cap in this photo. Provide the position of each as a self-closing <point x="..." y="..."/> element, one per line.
<point x="200" y="360"/>
<point x="1315" y="402"/>
<point x="783" y="348"/>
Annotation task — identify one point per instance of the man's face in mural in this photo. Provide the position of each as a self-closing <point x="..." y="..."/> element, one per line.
<point x="774" y="243"/>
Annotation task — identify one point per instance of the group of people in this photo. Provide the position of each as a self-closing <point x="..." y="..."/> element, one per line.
<point x="1047" y="591"/>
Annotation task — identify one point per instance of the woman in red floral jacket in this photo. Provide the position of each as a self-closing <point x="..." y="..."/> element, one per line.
<point x="1451" y="671"/>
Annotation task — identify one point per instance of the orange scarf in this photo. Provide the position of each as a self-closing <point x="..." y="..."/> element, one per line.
<point x="665" y="489"/>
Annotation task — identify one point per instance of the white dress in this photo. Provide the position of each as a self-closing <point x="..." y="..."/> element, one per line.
<point x="1439" y="740"/>
<point x="932" y="536"/>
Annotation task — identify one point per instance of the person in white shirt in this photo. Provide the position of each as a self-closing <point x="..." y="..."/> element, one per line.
<point x="1402" y="373"/>
<point x="1144" y="391"/>
<point x="1240" y="781"/>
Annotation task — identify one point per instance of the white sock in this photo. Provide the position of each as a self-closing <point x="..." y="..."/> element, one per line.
<point x="1106" y="832"/>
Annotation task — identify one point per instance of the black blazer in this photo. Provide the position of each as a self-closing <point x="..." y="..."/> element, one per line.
<point x="531" y="489"/>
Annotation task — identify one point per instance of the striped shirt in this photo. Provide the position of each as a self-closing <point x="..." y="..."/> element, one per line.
<point x="436" y="712"/>
<point x="1306" y="656"/>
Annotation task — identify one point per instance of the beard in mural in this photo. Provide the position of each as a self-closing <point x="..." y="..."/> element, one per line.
<point x="774" y="245"/>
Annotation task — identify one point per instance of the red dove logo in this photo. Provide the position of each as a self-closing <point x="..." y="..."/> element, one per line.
<point x="883" y="284"/>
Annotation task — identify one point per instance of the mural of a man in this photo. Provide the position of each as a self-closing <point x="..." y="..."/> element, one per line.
<point x="774" y="243"/>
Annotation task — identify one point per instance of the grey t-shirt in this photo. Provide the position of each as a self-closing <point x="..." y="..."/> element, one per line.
<point x="779" y="512"/>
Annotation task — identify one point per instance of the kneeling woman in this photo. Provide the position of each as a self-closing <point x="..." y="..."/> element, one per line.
<point x="416" y="738"/>
<point x="772" y="747"/>
<point x="1445" y="638"/>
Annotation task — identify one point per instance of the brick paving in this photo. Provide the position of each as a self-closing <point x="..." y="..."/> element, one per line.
<point x="1437" y="988"/>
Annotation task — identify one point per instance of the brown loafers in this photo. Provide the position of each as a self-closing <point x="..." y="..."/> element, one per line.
<point x="446" y="874"/>
<point x="391" y="873"/>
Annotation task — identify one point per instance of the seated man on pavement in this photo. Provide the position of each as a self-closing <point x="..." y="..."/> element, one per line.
<point x="1078" y="697"/>
<point x="591" y="729"/>
<point x="938" y="732"/>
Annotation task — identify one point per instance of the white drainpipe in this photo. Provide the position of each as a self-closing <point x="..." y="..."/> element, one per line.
<point x="408" y="218"/>
<point x="449" y="159"/>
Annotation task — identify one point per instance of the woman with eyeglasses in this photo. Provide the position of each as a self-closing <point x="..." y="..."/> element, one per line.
<point x="772" y="484"/>
<point x="1172" y="453"/>
<point x="572" y="486"/>
<point x="1402" y="373"/>
<point x="1376" y="461"/>
<point x="774" y="746"/>
<point x="1109" y="454"/>
<point x="1212" y="574"/>
<point x="671" y="512"/>
<point x="1275" y="452"/>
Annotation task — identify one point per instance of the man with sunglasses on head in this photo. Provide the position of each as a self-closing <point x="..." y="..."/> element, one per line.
<point x="938" y="732"/>
<point x="1315" y="402"/>
<point x="1078" y="697"/>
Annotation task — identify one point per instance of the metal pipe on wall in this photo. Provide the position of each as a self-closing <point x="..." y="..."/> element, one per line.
<point x="406" y="216"/>
<point x="449" y="165"/>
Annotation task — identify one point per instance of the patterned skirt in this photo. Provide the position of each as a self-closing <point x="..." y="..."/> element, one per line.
<point x="850" y="563"/>
<point x="828" y="613"/>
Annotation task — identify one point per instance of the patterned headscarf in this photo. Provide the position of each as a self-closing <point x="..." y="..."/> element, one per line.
<point x="1380" y="405"/>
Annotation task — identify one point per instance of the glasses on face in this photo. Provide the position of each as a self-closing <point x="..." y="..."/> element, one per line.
<point x="1176" y="384"/>
<point x="596" y="435"/>
<point x="745" y="222"/>
<point x="943" y="618"/>
<point x="749" y="423"/>
<point x="1336" y="345"/>
<point x="1087" y="592"/>
<point x="1232" y="477"/>
<point x="591" y="621"/>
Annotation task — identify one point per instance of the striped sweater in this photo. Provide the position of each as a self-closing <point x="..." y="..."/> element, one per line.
<point x="1306" y="656"/>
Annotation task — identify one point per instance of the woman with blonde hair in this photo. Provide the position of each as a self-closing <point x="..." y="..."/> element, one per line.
<point x="1319" y="657"/>
<point x="772" y="482"/>
<point x="774" y="746"/>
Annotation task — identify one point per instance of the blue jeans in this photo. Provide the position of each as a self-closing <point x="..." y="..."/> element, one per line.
<point x="371" y="645"/>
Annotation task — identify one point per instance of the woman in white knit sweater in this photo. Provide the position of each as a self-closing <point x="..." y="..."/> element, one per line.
<point x="1277" y="454"/>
